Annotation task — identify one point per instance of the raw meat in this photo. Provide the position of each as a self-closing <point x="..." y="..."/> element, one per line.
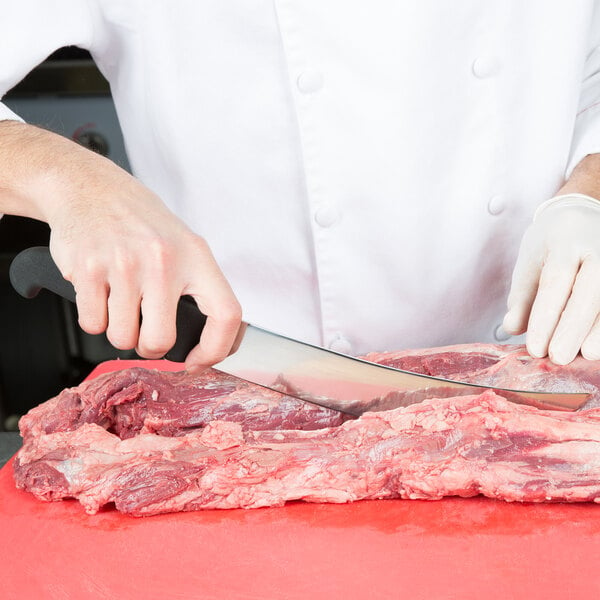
<point x="131" y="439"/>
<point x="499" y="366"/>
<point x="465" y="446"/>
<point x="139" y="400"/>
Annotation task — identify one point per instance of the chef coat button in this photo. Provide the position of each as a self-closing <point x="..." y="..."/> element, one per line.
<point x="327" y="215"/>
<point x="340" y="344"/>
<point x="310" y="81"/>
<point x="500" y="335"/>
<point x="485" y="66"/>
<point x="496" y="204"/>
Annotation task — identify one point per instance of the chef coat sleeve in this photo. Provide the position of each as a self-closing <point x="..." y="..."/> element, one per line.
<point x="586" y="135"/>
<point x="31" y="30"/>
<point x="7" y="114"/>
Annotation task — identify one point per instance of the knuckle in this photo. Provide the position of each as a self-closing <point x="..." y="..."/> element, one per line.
<point x="155" y="348"/>
<point x="199" y="249"/>
<point x="91" y="315"/>
<point x="68" y="275"/>
<point x="150" y="352"/>
<point x="120" y="339"/>
<point x="91" y="267"/>
<point x="92" y="324"/>
<point x="230" y="313"/>
<point x="200" y="244"/>
<point x="161" y="254"/>
<point x="124" y="262"/>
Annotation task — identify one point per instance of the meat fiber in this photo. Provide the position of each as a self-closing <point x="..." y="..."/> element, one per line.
<point x="464" y="446"/>
<point x="499" y="366"/>
<point x="153" y="442"/>
<point x="139" y="400"/>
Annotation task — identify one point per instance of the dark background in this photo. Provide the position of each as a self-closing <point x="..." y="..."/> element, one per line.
<point x="42" y="349"/>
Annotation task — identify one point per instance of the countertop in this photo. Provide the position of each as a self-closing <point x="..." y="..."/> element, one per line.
<point x="467" y="548"/>
<point x="10" y="442"/>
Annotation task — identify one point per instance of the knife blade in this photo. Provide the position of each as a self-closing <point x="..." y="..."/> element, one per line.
<point x="299" y="369"/>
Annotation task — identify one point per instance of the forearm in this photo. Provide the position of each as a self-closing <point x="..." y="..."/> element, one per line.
<point x="119" y="245"/>
<point x="585" y="178"/>
<point x="41" y="172"/>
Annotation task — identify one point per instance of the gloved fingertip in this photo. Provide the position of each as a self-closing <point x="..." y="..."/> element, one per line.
<point x="537" y="349"/>
<point x="590" y="352"/>
<point x="562" y="351"/>
<point x="513" y="323"/>
<point x="560" y="358"/>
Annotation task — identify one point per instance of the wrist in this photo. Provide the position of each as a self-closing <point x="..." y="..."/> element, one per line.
<point x="575" y="200"/>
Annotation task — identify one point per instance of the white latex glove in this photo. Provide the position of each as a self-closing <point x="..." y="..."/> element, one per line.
<point x="555" y="292"/>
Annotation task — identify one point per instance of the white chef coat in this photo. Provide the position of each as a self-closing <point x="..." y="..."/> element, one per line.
<point x="363" y="171"/>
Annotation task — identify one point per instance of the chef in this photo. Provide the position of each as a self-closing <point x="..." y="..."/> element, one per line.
<point x="356" y="175"/>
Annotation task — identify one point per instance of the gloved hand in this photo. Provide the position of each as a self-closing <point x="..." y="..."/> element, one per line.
<point x="555" y="291"/>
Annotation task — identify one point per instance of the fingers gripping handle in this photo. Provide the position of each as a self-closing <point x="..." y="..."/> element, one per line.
<point x="190" y="323"/>
<point x="34" y="269"/>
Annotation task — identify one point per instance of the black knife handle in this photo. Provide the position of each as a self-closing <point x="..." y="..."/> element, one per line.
<point x="190" y="323"/>
<point x="34" y="269"/>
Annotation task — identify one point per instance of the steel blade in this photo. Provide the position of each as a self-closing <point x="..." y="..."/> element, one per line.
<point x="353" y="385"/>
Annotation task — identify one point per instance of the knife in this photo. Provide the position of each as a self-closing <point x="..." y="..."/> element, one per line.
<point x="302" y="370"/>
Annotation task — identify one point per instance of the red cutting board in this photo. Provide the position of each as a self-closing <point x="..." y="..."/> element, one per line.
<point x="453" y="549"/>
